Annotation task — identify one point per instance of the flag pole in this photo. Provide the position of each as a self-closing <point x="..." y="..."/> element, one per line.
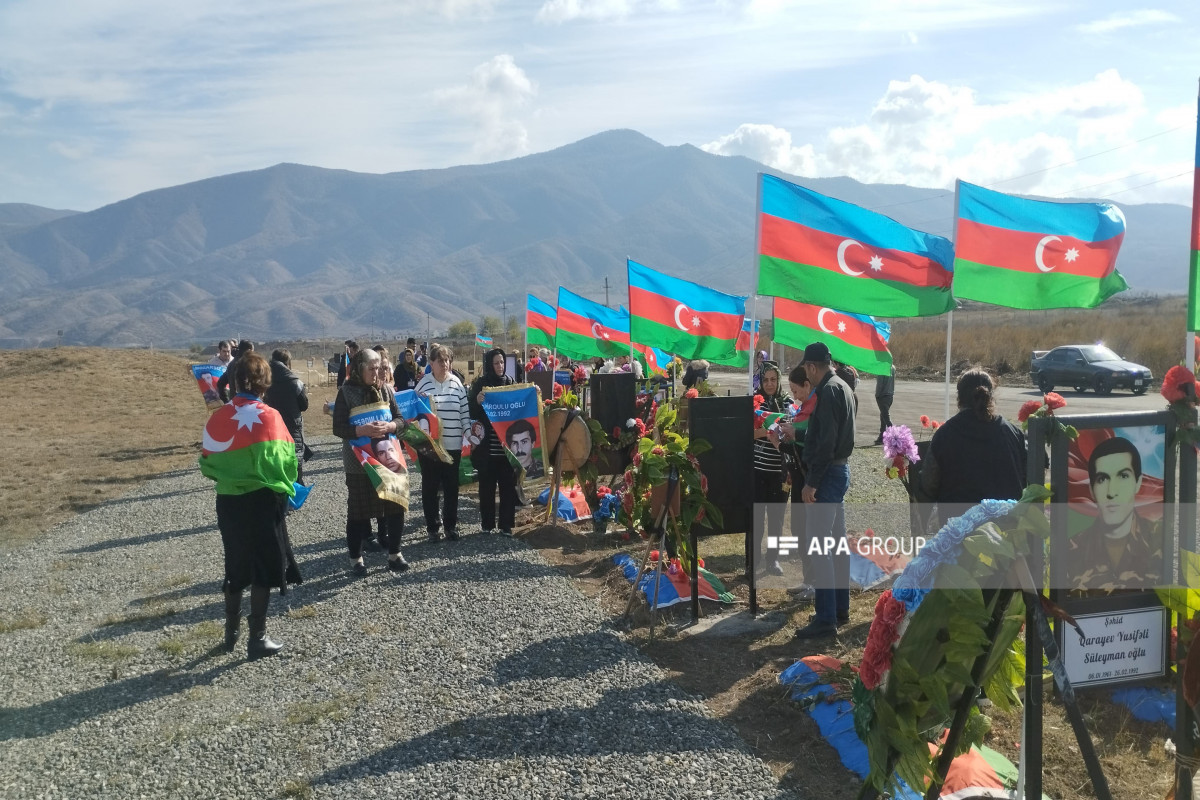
<point x="950" y="314"/>
<point x="1193" y="312"/>
<point x="629" y="304"/>
<point x="754" y="292"/>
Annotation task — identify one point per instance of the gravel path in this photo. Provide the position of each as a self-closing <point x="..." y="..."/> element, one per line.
<point x="480" y="673"/>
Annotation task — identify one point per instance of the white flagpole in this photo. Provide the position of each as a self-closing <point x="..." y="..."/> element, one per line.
<point x="1189" y="346"/>
<point x="754" y="288"/>
<point x="628" y="304"/>
<point x="950" y="314"/>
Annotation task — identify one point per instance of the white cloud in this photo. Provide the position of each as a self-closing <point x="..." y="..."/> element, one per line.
<point x="558" y="11"/>
<point x="1132" y="19"/>
<point x="768" y="145"/>
<point x="493" y="97"/>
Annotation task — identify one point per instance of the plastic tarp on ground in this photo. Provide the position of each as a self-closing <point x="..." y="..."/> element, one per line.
<point x="572" y="506"/>
<point x="982" y="772"/>
<point x="869" y="568"/>
<point x="673" y="587"/>
<point x="1148" y="704"/>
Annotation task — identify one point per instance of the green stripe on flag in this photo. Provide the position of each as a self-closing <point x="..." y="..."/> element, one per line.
<point x="575" y="346"/>
<point x="273" y="462"/>
<point x="537" y="336"/>
<point x="808" y="284"/>
<point x="681" y="343"/>
<point x="1194" y="293"/>
<point x="861" y="358"/>
<point x="1032" y="291"/>
<point x="740" y="359"/>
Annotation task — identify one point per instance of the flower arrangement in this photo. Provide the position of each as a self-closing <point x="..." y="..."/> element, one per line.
<point x="608" y="504"/>
<point x="922" y="644"/>
<point x="1045" y="408"/>
<point x="1181" y="390"/>
<point x="900" y="451"/>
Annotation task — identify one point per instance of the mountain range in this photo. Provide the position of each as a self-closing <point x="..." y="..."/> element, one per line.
<point x="294" y="251"/>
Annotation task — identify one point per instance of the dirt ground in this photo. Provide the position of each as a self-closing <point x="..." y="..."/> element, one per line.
<point x="137" y="414"/>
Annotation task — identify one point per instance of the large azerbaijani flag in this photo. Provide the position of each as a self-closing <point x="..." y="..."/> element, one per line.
<point x="1194" y="269"/>
<point x="587" y="329"/>
<point x="246" y="438"/>
<point x="682" y="317"/>
<point x="541" y="322"/>
<point x="854" y="339"/>
<point x="746" y="342"/>
<point x="1034" y="254"/>
<point x="819" y="250"/>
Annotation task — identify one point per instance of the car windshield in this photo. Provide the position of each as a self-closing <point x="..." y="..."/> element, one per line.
<point x="1099" y="352"/>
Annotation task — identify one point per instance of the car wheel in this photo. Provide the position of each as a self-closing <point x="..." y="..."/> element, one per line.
<point x="1044" y="384"/>
<point x="1140" y="389"/>
<point x="1103" y="384"/>
<point x="1081" y="388"/>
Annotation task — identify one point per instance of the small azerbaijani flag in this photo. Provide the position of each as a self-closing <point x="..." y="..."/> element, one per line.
<point x="1035" y="254"/>
<point x="541" y="322"/>
<point x="1194" y="263"/>
<point x="854" y="339"/>
<point x="244" y="438"/>
<point x="746" y="342"/>
<point x="819" y="250"/>
<point x="682" y="317"/>
<point x="587" y="329"/>
<point x="653" y="360"/>
<point x="483" y="341"/>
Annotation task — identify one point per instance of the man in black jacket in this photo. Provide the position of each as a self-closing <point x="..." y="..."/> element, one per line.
<point x="287" y="396"/>
<point x="224" y="383"/>
<point x="827" y="448"/>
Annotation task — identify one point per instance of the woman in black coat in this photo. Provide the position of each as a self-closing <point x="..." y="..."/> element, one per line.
<point x="488" y="456"/>
<point x="288" y="396"/>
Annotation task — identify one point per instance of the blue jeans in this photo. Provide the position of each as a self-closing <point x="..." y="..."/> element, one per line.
<point x="826" y="518"/>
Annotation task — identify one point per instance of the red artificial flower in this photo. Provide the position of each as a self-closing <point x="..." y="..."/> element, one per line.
<point x="758" y="401"/>
<point x="558" y="390"/>
<point x="877" y="655"/>
<point x="616" y="432"/>
<point x="700" y="518"/>
<point x="628" y="477"/>
<point x="924" y="420"/>
<point x="1028" y="409"/>
<point x="935" y="424"/>
<point x="658" y="450"/>
<point x="690" y="393"/>
<point x="1175" y="385"/>
<point x="1054" y="400"/>
<point x="641" y="427"/>
<point x="637" y="458"/>
<point x="627" y="502"/>
<point x="704" y="484"/>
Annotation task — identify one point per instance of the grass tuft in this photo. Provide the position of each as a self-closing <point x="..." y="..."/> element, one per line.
<point x="103" y="651"/>
<point x="25" y="619"/>
<point x="311" y="712"/>
<point x="303" y="612"/>
<point x="299" y="789"/>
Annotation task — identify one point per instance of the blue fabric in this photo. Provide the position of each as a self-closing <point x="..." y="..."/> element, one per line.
<point x="301" y="495"/>
<point x="1147" y="704"/>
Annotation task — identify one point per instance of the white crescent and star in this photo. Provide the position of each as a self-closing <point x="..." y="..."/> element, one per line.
<point x="597" y="333"/>
<point x="694" y="320"/>
<point x="247" y="416"/>
<point x="841" y="257"/>
<point x="821" y="319"/>
<point x="213" y="446"/>
<point x="1039" y="252"/>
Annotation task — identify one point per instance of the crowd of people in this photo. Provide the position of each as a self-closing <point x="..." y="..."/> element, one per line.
<point x="803" y="461"/>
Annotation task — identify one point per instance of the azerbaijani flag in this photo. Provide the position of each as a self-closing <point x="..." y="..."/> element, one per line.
<point x="1034" y="254"/>
<point x="483" y="341"/>
<point x="854" y="339"/>
<point x="587" y="329"/>
<point x="246" y="446"/>
<point x="1194" y="268"/>
<point x="816" y="249"/>
<point x="653" y="360"/>
<point x="746" y="342"/>
<point x="541" y="322"/>
<point x="680" y="316"/>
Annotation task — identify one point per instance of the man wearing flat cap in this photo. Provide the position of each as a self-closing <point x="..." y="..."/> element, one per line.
<point x="827" y="448"/>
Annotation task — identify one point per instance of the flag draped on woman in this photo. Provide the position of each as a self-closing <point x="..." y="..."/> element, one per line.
<point x="541" y="322"/>
<point x="682" y="317"/>
<point x="819" y="250"/>
<point x="1034" y="254"/>
<point x="587" y="329"/>
<point x="246" y="437"/>
<point x="854" y="339"/>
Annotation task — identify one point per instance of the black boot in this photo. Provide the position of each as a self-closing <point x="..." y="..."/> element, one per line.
<point x="258" y="645"/>
<point x="233" y="617"/>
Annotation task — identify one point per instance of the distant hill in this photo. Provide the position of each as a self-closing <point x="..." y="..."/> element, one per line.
<point x="294" y="251"/>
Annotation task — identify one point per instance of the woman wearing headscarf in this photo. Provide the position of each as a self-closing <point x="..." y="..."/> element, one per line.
<point x="488" y="456"/>
<point x="363" y="388"/>
<point x="406" y="371"/>
<point x="768" y="460"/>
<point x="251" y="456"/>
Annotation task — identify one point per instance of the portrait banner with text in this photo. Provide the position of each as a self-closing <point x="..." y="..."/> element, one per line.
<point x="516" y="416"/>
<point x="206" y="376"/>
<point x="382" y="459"/>
<point x="421" y="436"/>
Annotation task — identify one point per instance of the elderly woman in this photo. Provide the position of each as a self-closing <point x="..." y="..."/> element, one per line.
<point x="364" y="388"/>
<point x="975" y="455"/>
<point x="488" y="456"/>
<point x="252" y="458"/>
<point x="769" y="473"/>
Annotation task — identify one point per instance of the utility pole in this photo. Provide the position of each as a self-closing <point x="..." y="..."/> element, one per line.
<point x="504" y="323"/>
<point x="428" y="334"/>
<point x="606" y="305"/>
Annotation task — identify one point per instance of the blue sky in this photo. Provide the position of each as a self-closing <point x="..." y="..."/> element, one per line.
<point x="103" y="99"/>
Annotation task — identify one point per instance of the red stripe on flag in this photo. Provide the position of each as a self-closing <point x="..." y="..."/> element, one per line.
<point x="781" y="238"/>
<point x="673" y="314"/>
<point x="852" y="331"/>
<point x="540" y="321"/>
<point x="743" y="341"/>
<point x="1022" y="252"/>
<point x="570" y="322"/>
<point x="243" y="423"/>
